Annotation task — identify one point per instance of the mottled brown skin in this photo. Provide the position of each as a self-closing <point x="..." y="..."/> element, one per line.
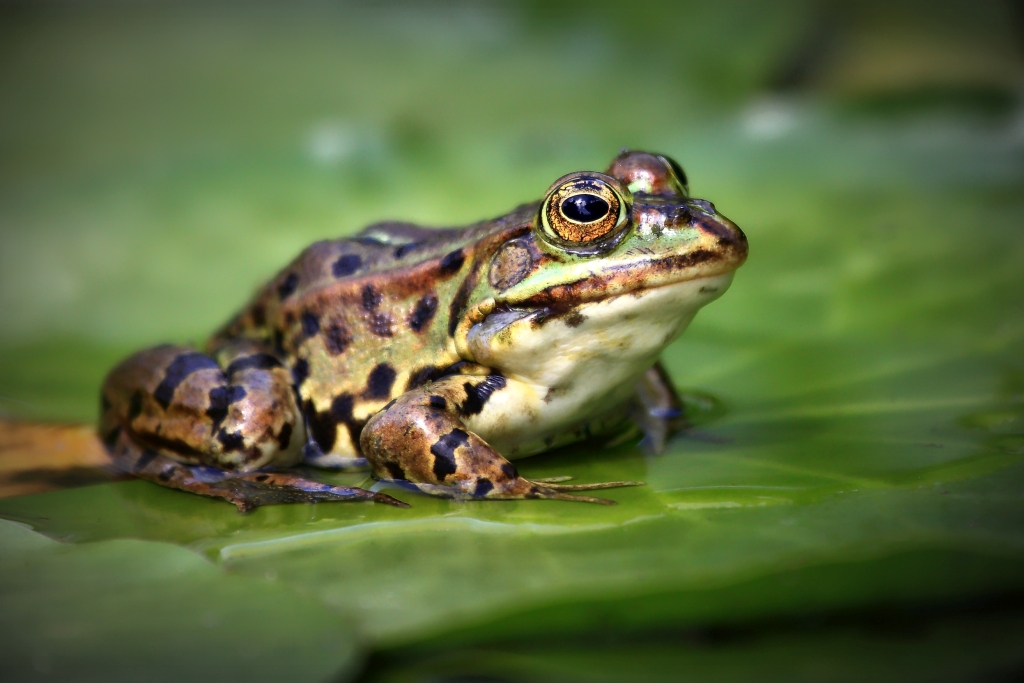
<point x="361" y="352"/>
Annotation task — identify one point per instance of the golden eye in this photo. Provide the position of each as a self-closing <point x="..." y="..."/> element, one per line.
<point x="584" y="210"/>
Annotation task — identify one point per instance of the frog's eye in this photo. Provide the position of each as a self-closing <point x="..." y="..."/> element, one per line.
<point x="584" y="210"/>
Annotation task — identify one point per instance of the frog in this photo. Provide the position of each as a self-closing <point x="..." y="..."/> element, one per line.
<point x="436" y="357"/>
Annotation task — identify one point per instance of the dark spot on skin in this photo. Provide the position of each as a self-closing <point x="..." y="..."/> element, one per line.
<point x="135" y="406"/>
<point x="380" y="381"/>
<point x="300" y="371"/>
<point x="145" y="459"/>
<point x="110" y="437"/>
<point x="288" y="285"/>
<point x="371" y="298"/>
<point x="262" y="477"/>
<point x="341" y="407"/>
<point x="310" y="324"/>
<point x="483" y="487"/>
<point x="395" y="470"/>
<point x="424" y="375"/>
<point x="708" y="290"/>
<point x="231" y="441"/>
<point x="220" y="399"/>
<point x="389" y="404"/>
<point x="380" y="325"/>
<point x="405" y="249"/>
<point x="510" y="471"/>
<point x="165" y="475"/>
<point x="336" y="338"/>
<point x="285" y="437"/>
<point x="289" y="317"/>
<point x="346" y="265"/>
<point x="257" y="361"/>
<point x="478" y="395"/>
<point x="259" y="315"/>
<point x="279" y="341"/>
<point x="444" y="452"/>
<point x="452" y="262"/>
<point x="455" y="368"/>
<point x="423" y="313"/>
<point x="322" y="427"/>
<point x="556" y="391"/>
<point x="180" y="368"/>
<point x="458" y="305"/>
<point x="566" y="312"/>
<point x="438" y="402"/>
<point x="575" y="319"/>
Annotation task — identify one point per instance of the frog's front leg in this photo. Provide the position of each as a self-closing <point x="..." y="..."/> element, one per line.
<point x="212" y="425"/>
<point x="657" y="410"/>
<point x="421" y="438"/>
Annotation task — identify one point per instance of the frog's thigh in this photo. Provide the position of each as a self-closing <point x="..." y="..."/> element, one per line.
<point x="422" y="438"/>
<point x="237" y="412"/>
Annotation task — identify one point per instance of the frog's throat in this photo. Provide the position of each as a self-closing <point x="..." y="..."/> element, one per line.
<point x="477" y="313"/>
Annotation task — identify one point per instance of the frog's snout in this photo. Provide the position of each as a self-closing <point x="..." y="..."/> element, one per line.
<point x="727" y="235"/>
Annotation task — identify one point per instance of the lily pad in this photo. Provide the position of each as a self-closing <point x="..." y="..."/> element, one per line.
<point x="851" y="491"/>
<point x="131" y="610"/>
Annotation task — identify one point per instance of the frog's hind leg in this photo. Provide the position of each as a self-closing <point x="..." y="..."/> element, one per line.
<point x="246" y="490"/>
<point x="181" y="419"/>
<point x="422" y="441"/>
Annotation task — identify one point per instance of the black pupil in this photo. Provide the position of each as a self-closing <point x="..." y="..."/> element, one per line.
<point x="584" y="208"/>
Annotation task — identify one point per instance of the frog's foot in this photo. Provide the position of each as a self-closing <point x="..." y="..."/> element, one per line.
<point x="247" y="491"/>
<point x="256" y="489"/>
<point x="522" y="489"/>
<point x="658" y="410"/>
<point x="548" y="483"/>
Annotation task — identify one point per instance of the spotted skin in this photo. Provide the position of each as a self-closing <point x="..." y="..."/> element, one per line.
<point x="435" y="356"/>
<point x="424" y="438"/>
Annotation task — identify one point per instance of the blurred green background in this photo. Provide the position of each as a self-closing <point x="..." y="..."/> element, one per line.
<point x="852" y="504"/>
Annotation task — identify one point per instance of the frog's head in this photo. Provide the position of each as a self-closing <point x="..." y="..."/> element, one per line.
<point x="626" y="250"/>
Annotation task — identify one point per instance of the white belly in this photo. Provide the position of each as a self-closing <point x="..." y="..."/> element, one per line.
<point x="568" y="370"/>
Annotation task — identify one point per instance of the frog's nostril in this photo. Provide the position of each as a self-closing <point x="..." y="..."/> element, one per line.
<point x="704" y="206"/>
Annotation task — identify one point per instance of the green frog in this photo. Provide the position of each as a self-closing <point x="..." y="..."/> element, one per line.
<point x="435" y="357"/>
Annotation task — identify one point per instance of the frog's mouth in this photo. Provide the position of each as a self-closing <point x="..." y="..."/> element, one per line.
<point x="499" y="314"/>
<point x="631" y="325"/>
<point x="636" y="276"/>
<point x="691" y="294"/>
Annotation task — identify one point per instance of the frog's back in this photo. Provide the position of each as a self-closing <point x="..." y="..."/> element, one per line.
<point x="361" y="320"/>
<point x="387" y="253"/>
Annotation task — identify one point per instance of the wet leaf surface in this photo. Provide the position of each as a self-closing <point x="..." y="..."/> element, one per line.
<point x="849" y="505"/>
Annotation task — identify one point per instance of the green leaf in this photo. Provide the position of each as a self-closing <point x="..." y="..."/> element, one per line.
<point x="129" y="610"/>
<point x="856" y="472"/>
